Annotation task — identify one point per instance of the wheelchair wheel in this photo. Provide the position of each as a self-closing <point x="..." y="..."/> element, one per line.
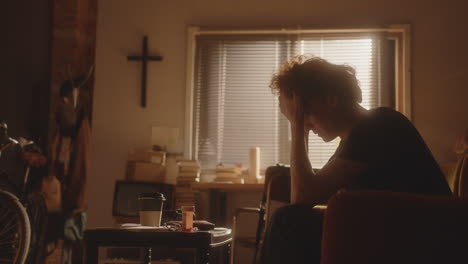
<point x="15" y="230"/>
<point x="37" y="212"/>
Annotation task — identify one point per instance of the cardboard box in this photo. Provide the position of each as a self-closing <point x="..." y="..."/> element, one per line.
<point x="156" y="157"/>
<point x="146" y="171"/>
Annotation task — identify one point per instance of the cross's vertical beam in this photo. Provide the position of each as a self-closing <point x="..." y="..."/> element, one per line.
<point x="144" y="58"/>
<point x="143" y="72"/>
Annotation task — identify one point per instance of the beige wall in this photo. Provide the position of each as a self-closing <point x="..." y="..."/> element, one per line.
<point x="439" y="51"/>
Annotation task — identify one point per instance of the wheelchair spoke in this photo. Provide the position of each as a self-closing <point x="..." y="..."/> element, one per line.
<point x="8" y="227"/>
<point x="14" y="229"/>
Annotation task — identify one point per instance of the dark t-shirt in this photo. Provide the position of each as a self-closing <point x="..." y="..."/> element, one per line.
<point x="397" y="157"/>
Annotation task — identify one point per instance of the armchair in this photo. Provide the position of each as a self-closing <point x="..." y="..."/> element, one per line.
<point x="456" y="175"/>
<point x="386" y="227"/>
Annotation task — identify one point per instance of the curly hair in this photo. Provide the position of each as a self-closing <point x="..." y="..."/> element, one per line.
<point x="311" y="77"/>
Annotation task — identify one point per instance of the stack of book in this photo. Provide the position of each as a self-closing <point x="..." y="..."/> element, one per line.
<point x="188" y="173"/>
<point x="184" y="196"/>
<point x="230" y="173"/>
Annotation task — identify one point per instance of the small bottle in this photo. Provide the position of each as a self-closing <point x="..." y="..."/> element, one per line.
<point x="187" y="218"/>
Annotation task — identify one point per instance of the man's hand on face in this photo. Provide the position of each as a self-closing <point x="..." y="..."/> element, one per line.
<point x="286" y="106"/>
<point x="298" y="110"/>
<point x="293" y="110"/>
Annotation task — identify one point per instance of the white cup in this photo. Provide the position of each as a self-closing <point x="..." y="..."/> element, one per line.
<point x="151" y="208"/>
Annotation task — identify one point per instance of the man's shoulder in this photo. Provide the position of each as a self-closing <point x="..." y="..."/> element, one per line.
<point x="387" y="118"/>
<point x="386" y="113"/>
<point x="383" y="123"/>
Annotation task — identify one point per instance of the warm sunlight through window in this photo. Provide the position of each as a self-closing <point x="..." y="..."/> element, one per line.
<point x="234" y="108"/>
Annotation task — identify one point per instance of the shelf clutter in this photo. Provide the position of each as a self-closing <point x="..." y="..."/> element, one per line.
<point x="188" y="173"/>
<point x="146" y="166"/>
<point x="230" y="173"/>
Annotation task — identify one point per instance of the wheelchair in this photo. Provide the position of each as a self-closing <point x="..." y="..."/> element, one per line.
<point x="23" y="221"/>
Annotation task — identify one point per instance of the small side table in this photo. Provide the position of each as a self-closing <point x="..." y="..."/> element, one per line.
<point x="211" y="246"/>
<point x="218" y="196"/>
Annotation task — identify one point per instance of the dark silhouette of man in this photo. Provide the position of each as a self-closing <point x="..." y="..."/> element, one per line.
<point x="380" y="149"/>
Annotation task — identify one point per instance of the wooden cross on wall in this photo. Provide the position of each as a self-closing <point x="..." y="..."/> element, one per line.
<point x="144" y="58"/>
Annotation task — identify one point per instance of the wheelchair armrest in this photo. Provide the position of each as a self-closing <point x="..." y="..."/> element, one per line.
<point x="246" y="210"/>
<point x="320" y="207"/>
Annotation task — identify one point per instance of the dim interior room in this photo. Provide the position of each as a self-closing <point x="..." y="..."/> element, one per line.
<point x="180" y="92"/>
<point x="438" y="69"/>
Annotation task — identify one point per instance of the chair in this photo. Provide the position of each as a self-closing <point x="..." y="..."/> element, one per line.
<point x="458" y="178"/>
<point x="456" y="173"/>
<point x="125" y="204"/>
<point x="385" y="227"/>
<point x="276" y="193"/>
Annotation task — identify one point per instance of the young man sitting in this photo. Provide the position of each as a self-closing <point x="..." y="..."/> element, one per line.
<point x="380" y="149"/>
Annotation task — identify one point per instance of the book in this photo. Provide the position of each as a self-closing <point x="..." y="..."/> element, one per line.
<point x="189" y="169"/>
<point x="228" y="175"/>
<point x="188" y="174"/>
<point x="188" y="163"/>
<point x="229" y="180"/>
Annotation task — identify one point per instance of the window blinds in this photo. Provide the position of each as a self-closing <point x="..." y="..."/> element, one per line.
<point x="234" y="106"/>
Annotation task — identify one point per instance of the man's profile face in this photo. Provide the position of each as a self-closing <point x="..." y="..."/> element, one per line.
<point x="320" y="126"/>
<point x="321" y="118"/>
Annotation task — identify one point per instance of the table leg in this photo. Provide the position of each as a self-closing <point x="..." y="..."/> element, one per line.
<point x="91" y="253"/>
<point x="218" y="207"/>
<point x="227" y="254"/>
<point x="203" y="256"/>
<point x="147" y="259"/>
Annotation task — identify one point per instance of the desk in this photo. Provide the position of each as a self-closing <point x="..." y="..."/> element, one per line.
<point x="208" y="244"/>
<point x="217" y="197"/>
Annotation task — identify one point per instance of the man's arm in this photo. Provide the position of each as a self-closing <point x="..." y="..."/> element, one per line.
<point x="301" y="169"/>
<point x="307" y="187"/>
<point x="310" y="188"/>
<point x="335" y="175"/>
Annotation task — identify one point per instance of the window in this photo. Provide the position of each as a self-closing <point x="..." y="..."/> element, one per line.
<point x="234" y="109"/>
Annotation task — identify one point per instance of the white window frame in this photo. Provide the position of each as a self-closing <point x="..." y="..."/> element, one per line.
<point x="400" y="32"/>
